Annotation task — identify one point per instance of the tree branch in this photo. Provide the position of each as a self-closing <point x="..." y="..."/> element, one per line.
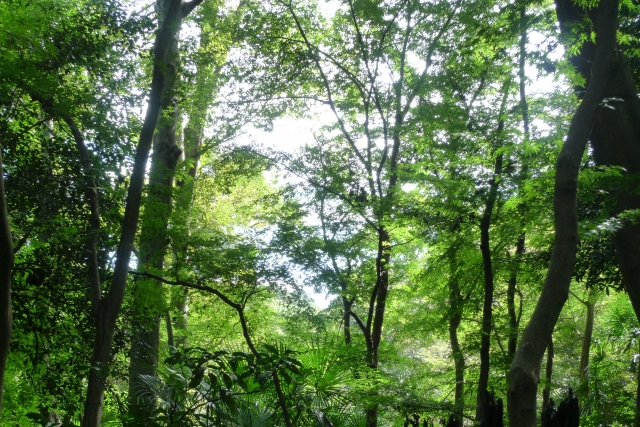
<point x="238" y="307"/>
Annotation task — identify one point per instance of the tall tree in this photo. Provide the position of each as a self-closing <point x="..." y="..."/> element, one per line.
<point x="370" y="113"/>
<point x="487" y="261"/>
<point x="6" y="266"/>
<point x="149" y="304"/>
<point x="525" y="369"/>
<point x="109" y="306"/>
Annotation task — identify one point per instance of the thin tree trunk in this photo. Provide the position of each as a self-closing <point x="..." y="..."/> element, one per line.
<point x="169" y="326"/>
<point x="487" y="263"/>
<point x="205" y="91"/>
<point x="525" y="369"/>
<point x="346" y="304"/>
<point x="91" y="191"/>
<point x="380" y="297"/>
<point x="6" y="267"/>
<point x="546" y="392"/>
<point x="590" y="305"/>
<point x="455" y="317"/>
<point x="108" y="309"/>
<point x="514" y="320"/>
<point x="346" y="317"/>
<point x="636" y="421"/>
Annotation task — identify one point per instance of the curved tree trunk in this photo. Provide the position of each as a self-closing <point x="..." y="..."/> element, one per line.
<point x="525" y="369"/>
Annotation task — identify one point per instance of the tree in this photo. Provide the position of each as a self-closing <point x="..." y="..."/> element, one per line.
<point x="524" y="373"/>
<point x="6" y="254"/>
<point x="109" y="306"/>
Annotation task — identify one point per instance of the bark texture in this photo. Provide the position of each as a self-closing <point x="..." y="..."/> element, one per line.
<point x="108" y="308"/>
<point x="149" y="305"/>
<point x="6" y="267"/>
<point x="525" y="369"/>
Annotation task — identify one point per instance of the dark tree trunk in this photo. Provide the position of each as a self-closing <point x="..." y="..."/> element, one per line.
<point x="346" y="317"/>
<point x="6" y="267"/>
<point x="615" y="140"/>
<point x="455" y="317"/>
<point x="492" y="412"/>
<point x="109" y="307"/>
<point x="91" y="192"/>
<point x="487" y="264"/>
<point x="514" y="318"/>
<point x="567" y="414"/>
<point x="525" y="369"/>
<point x="377" y="310"/>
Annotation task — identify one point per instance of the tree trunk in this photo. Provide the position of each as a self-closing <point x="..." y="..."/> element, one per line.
<point x="546" y="392"/>
<point x="514" y="318"/>
<point x="616" y="142"/>
<point x="205" y="90"/>
<point x="376" y="318"/>
<point x="590" y="305"/>
<point x="346" y="317"/>
<point x="107" y="311"/>
<point x="455" y="317"/>
<point x="91" y="192"/>
<point x="148" y="297"/>
<point x="6" y="267"/>
<point x="487" y="264"/>
<point x="525" y="369"/>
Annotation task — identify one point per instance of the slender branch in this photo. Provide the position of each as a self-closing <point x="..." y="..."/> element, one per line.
<point x="365" y="330"/>
<point x="315" y="183"/>
<point x="327" y="86"/>
<point x="91" y="191"/>
<point x="236" y="306"/>
<point x="24" y="238"/>
<point x="578" y="298"/>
